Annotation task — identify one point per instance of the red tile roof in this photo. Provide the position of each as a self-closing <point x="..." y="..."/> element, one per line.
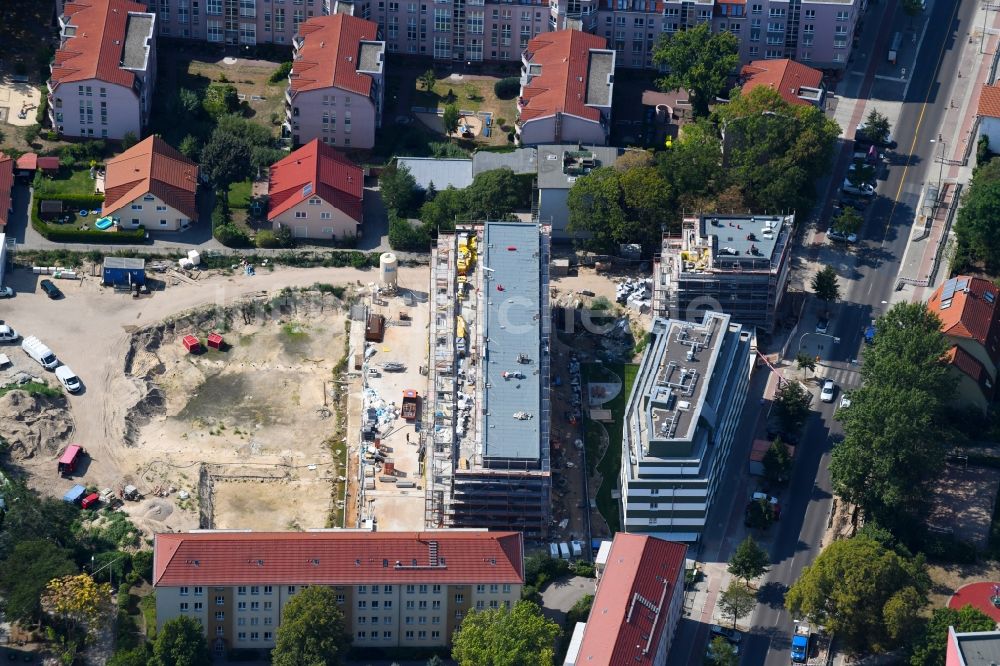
<point x="641" y="575"/>
<point x="151" y="167"/>
<point x="28" y="162"/>
<point x="967" y="363"/>
<point x="784" y="75"/>
<point x="316" y="169"/>
<point x="989" y="101"/>
<point x="561" y="87"/>
<point x="95" y="51"/>
<point x="329" y="54"/>
<point x="6" y="183"/>
<point x="48" y="163"/>
<point x="971" y="312"/>
<point x="338" y="557"/>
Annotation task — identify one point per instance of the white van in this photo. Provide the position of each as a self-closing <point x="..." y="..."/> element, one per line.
<point x="68" y="379"/>
<point x="34" y="348"/>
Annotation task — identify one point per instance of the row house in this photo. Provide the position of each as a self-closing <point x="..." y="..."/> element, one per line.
<point x="395" y="589"/>
<point x="567" y="83"/>
<point x="336" y="86"/>
<point x="104" y="71"/>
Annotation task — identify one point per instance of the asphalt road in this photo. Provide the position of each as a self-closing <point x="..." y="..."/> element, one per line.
<point x="871" y="272"/>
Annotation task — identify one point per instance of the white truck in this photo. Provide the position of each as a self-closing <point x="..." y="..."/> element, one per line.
<point x="37" y="350"/>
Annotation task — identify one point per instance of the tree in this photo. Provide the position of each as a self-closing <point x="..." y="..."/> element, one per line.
<point x="507" y="88"/>
<point x="698" y="62"/>
<point x="776" y="151"/>
<point x="849" y="221"/>
<point x="759" y="514"/>
<point x="620" y="207"/>
<point x="25" y="575"/>
<point x="142" y="563"/>
<point x="777" y="464"/>
<point x="428" y="80"/>
<point x="78" y="601"/>
<point x="220" y="100"/>
<point x="805" y="362"/>
<point x="404" y="236"/>
<point x="190" y="147"/>
<point x="791" y="404"/>
<point x="281" y="73"/>
<point x="181" y="642"/>
<point x="311" y="630"/>
<point x="399" y="189"/>
<point x="737" y="600"/>
<point x="722" y="653"/>
<point x="450" y="119"/>
<point x="825" y="285"/>
<point x="129" y="140"/>
<point x="876" y="127"/>
<point x="135" y="657"/>
<point x="977" y="227"/>
<point x="931" y="644"/>
<point x="226" y="160"/>
<point x="693" y="166"/>
<point x="435" y="661"/>
<point x="862" y="591"/>
<point x="749" y="561"/>
<point x="498" y="637"/>
<point x="496" y="194"/>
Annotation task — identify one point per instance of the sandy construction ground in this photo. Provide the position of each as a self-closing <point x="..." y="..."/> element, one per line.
<point x="252" y="412"/>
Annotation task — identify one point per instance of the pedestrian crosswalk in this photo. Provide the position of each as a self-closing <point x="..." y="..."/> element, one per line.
<point x="844" y="377"/>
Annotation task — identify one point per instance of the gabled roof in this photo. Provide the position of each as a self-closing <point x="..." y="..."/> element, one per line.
<point x="339" y="557"/>
<point x="151" y="167"/>
<point x="28" y="162"/>
<point x="967" y="307"/>
<point x="331" y="54"/>
<point x="316" y="169"/>
<point x="6" y="183"/>
<point x="784" y="75"/>
<point x="563" y="84"/>
<point x="630" y="608"/>
<point x="968" y="364"/>
<point x="96" y="41"/>
<point x="989" y="101"/>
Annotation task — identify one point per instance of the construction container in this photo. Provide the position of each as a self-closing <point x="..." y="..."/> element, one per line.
<point x="387" y="479"/>
<point x="215" y="341"/>
<point x="375" y="328"/>
<point x="90" y="501"/>
<point x="191" y="344"/>
<point x="406" y="484"/>
<point x="389" y="467"/>
<point x="70" y="459"/>
<point x="74" y="494"/>
<point x="124" y="271"/>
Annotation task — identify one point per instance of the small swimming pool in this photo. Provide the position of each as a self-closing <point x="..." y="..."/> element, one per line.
<point x="104" y="223"/>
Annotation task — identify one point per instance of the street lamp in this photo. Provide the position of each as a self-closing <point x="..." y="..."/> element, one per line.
<point x="941" y="169"/>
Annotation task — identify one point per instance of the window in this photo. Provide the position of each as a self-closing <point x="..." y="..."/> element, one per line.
<point x="421" y="634"/>
<point x="436" y="589"/>
<point x="241" y="590"/>
<point x="199" y="591"/>
<point x="220" y="631"/>
<point x="254" y="621"/>
<point x="255" y="589"/>
<point x="267" y="621"/>
<point x="374" y="619"/>
<point x="197" y="605"/>
<point x="241" y="621"/>
<point x="442" y="20"/>
<point x="388" y="618"/>
<point x="291" y="589"/>
<point x="436" y="604"/>
<point x="184" y="589"/>
<point x="843" y="15"/>
<point x="436" y="619"/>
<point x="494" y="588"/>
<point x="480" y="589"/>
<point x="248" y="8"/>
<point x="254" y="636"/>
<point x="756" y="9"/>
<point x="506" y="588"/>
<point x="220" y="616"/>
<point x="409" y="634"/>
<point x="409" y="604"/>
<point x="268" y="635"/>
<point x="316" y="201"/>
<point x="241" y="605"/>
<point x="241" y="636"/>
<point x="652" y="521"/>
<point x="267" y="605"/>
<point x="248" y="33"/>
<point x="214" y="30"/>
<point x="459" y="598"/>
<point x="422" y="605"/>
<point x="388" y="602"/>
<point x="184" y="607"/>
<point x="387" y="589"/>
<point x="480" y="604"/>
<point x="254" y="605"/>
<point x="423" y="589"/>
<point x="213" y="7"/>
<point x="219" y="600"/>
<point x="268" y="590"/>
<point x="363" y="620"/>
<point x="374" y="603"/>
<point x="135" y="221"/>
<point x="362" y="634"/>
<point x="361" y="602"/>
<point x="810" y="13"/>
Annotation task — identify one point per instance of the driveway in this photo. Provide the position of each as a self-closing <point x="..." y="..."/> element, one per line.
<point x="560" y="595"/>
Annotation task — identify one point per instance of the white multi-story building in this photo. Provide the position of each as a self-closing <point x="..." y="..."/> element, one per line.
<point x="680" y="421"/>
<point x="102" y="79"/>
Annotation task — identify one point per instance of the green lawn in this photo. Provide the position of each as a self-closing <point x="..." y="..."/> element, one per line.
<point x="239" y="194"/>
<point x="67" y="181"/>
<point x="611" y="464"/>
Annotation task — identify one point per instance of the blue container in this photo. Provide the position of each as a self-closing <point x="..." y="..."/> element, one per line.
<point x="74" y="494"/>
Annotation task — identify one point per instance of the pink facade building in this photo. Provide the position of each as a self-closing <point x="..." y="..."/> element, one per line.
<point x="336" y="86"/>
<point x="567" y="81"/>
<point x="104" y="71"/>
<point x="817" y="32"/>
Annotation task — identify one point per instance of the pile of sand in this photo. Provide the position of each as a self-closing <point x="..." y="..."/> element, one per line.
<point x="34" y="425"/>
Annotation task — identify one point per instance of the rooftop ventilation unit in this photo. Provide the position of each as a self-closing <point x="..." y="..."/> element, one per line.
<point x="683" y="405"/>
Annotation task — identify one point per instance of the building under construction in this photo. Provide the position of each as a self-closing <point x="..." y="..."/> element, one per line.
<point x="489" y="379"/>
<point x="735" y="264"/>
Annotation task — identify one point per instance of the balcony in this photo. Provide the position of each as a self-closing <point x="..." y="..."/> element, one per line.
<point x="288" y="96"/>
<point x="297" y="42"/>
<point x="48" y="84"/>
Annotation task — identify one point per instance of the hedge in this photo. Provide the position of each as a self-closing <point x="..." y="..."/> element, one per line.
<point x="69" y="234"/>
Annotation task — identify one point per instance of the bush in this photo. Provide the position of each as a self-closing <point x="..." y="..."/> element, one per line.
<point x="231" y="236"/>
<point x="585" y="569"/>
<point x="284" y="237"/>
<point x="507" y="88"/>
<point x="406" y="237"/>
<point x="947" y="548"/>
<point x="42" y="113"/>
<point x="266" y="239"/>
<point x="31" y="133"/>
<point x="142" y="564"/>
<point x="280" y="74"/>
<point x="129" y="140"/>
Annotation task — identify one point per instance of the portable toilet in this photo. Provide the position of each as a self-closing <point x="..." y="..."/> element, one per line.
<point x="554" y="551"/>
<point x="564" y="550"/>
<point x="577" y="548"/>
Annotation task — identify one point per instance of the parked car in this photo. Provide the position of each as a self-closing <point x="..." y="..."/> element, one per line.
<point x="8" y="334"/>
<point x="6" y="292"/>
<point x="845" y="401"/>
<point x="50" y="289"/>
<point x="731" y="635"/>
<point x="822" y="325"/>
<point x="829" y="388"/>
<point x="68" y="379"/>
<point x="770" y="499"/>
<point x="841" y="237"/>
<point x="864" y="189"/>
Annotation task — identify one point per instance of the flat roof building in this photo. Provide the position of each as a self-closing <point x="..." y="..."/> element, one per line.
<point x="737" y="264"/>
<point x="680" y="421"/>
<point x="973" y="648"/>
<point x="558" y="168"/>
<point x="489" y="369"/>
